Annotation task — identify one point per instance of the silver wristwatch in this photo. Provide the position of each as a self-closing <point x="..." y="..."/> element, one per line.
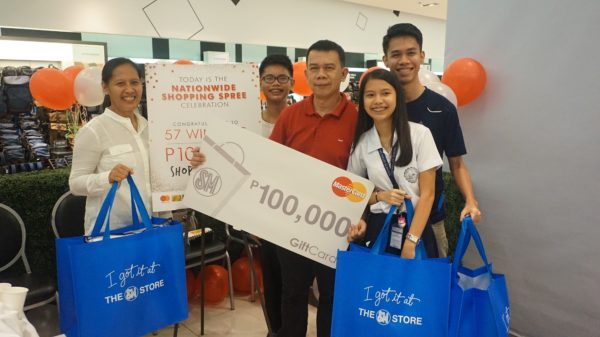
<point x="413" y="238"/>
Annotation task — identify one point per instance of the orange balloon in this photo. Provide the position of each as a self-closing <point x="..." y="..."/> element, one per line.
<point x="192" y="284"/>
<point x="52" y="88"/>
<point x="72" y="71"/>
<point x="365" y="74"/>
<point x="184" y="61"/>
<point x="301" y="86"/>
<point x="216" y="285"/>
<point x="467" y="78"/>
<point x="241" y="275"/>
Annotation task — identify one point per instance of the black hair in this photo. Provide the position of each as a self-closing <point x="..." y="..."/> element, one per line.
<point x="109" y="68"/>
<point x="326" y="45"/>
<point x="276" y="59"/>
<point x="400" y="30"/>
<point x="399" y="125"/>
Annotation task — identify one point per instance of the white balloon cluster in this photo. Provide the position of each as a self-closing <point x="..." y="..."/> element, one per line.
<point x="88" y="87"/>
<point x="432" y="81"/>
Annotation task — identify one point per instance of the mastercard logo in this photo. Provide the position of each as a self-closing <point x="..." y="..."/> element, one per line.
<point x="352" y="190"/>
<point x="173" y="197"/>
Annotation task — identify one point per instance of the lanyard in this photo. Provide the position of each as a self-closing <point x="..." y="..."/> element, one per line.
<point x="389" y="167"/>
<point x="397" y="230"/>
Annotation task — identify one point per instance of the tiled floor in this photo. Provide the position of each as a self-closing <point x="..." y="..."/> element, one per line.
<point x="246" y="320"/>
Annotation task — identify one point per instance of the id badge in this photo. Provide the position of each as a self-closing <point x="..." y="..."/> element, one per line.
<point x="397" y="232"/>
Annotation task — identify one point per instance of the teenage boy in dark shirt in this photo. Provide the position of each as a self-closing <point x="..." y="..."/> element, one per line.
<point x="403" y="55"/>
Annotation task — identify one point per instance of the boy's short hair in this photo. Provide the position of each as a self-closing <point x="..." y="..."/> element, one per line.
<point x="402" y="29"/>
<point x="276" y="59"/>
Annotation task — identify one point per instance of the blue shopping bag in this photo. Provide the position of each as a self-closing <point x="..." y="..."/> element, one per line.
<point x="379" y="294"/>
<point x="126" y="282"/>
<point x="479" y="305"/>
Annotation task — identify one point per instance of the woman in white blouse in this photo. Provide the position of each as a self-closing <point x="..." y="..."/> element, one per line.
<point x="114" y="145"/>
<point x="400" y="158"/>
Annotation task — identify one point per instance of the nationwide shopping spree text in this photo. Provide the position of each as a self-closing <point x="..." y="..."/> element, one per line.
<point x="195" y="92"/>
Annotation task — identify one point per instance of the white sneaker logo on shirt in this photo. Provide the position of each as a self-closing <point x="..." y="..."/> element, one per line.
<point x="433" y="111"/>
<point x="340" y="140"/>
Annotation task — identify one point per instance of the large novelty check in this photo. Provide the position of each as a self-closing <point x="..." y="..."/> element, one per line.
<point x="282" y="195"/>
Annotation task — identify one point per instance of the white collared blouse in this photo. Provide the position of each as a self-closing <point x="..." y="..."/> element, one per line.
<point x="105" y="141"/>
<point x="366" y="162"/>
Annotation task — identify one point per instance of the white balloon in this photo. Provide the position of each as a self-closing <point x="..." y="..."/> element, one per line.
<point x="445" y="91"/>
<point x="345" y="83"/>
<point x="88" y="87"/>
<point x="427" y="77"/>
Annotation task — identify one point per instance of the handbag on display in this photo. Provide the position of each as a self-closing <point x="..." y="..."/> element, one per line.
<point x="125" y="282"/>
<point x="479" y="305"/>
<point x="380" y="294"/>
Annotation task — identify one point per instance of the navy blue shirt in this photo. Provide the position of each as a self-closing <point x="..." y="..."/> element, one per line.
<point x="439" y="115"/>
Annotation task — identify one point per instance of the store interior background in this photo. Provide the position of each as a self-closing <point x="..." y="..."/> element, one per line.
<point x="532" y="136"/>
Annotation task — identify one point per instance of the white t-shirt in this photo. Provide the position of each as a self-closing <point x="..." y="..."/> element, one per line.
<point x="265" y="127"/>
<point x="105" y="141"/>
<point x="366" y="162"/>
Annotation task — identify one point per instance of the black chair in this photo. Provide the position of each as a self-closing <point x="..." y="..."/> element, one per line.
<point x="42" y="288"/>
<point x="68" y="216"/>
<point x="207" y="251"/>
<point x="250" y="244"/>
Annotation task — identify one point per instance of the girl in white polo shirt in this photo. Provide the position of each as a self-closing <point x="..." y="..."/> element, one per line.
<point x="400" y="158"/>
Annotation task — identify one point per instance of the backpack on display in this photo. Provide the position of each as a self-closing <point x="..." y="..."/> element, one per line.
<point x="24" y="71"/>
<point x="3" y="107"/>
<point x="9" y="71"/>
<point x="18" y="96"/>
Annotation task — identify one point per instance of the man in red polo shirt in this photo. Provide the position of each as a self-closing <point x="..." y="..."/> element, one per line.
<point x="321" y="126"/>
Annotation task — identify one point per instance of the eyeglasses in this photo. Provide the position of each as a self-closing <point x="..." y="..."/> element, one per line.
<point x="283" y="79"/>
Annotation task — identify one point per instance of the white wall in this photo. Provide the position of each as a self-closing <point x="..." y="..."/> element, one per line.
<point x="533" y="145"/>
<point x="266" y="22"/>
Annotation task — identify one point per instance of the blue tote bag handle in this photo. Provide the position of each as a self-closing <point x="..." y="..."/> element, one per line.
<point x="105" y="210"/>
<point x="468" y="231"/>
<point x="380" y="244"/>
<point x="136" y="203"/>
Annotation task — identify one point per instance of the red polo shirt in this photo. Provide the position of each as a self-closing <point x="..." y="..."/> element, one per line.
<point x="327" y="138"/>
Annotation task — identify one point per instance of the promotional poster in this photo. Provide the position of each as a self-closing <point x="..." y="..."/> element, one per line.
<point x="181" y="98"/>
